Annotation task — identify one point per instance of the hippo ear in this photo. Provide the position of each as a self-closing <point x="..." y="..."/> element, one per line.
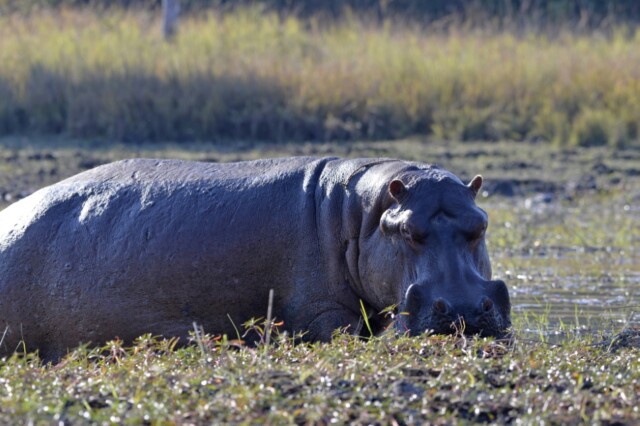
<point x="475" y="185"/>
<point x="397" y="189"/>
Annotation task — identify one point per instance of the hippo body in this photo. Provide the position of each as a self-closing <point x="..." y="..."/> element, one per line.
<point x="152" y="246"/>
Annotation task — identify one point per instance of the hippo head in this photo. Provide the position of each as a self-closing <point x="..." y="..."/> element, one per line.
<point x="431" y="236"/>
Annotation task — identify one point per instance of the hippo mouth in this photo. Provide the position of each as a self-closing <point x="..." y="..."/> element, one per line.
<point x="486" y="325"/>
<point x="484" y="319"/>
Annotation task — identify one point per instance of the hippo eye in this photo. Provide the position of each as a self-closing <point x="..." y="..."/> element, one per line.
<point x="409" y="233"/>
<point x="405" y="231"/>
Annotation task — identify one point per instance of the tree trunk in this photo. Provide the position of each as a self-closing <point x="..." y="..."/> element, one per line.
<point x="170" y="12"/>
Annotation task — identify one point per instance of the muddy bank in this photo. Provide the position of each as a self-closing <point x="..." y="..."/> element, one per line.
<point x="510" y="170"/>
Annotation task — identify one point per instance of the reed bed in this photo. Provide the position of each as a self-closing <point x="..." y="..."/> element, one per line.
<point x="254" y="75"/>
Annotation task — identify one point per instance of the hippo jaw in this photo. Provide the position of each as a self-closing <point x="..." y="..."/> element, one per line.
<point x="420" y="312"/>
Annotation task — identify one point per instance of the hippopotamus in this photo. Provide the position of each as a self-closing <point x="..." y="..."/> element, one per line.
<point x="153" y="246"/>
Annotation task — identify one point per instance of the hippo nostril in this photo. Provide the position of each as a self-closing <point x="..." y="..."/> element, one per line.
<point x="486" y="304"/>
<point x="440" y="306"/>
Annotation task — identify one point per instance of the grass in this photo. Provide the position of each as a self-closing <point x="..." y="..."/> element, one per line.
<point x="256" y="76"/>
<point x="386" y="380"/>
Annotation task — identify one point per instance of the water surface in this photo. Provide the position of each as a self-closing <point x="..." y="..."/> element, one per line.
<point x="571" y="268"/>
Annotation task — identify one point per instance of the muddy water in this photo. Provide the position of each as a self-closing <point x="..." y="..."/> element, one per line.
<point x="561" y="288"/>
<point x="559" y="298"/>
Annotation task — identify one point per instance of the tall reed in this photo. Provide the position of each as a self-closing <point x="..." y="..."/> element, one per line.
<point x="255" y="75"/>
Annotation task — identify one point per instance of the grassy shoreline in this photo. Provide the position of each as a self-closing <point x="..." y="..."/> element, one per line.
<point x="253" y="75"/>
<point x="440" y="380"/>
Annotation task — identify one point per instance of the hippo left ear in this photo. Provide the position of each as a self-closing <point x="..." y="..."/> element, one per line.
<point x="475" y="185"/>
<point x="397" y="189"/>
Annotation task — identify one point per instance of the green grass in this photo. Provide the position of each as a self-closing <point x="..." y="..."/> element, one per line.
<point x="253" y="75"/>
<point x="407" y="381"/>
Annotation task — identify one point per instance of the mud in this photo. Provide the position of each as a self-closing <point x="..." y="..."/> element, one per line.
<point x="510" y="170"/>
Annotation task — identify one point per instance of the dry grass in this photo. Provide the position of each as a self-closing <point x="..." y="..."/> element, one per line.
<point x="250" y="75"/>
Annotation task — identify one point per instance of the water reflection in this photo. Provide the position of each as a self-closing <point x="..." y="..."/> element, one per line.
<point x="584" y="292"/>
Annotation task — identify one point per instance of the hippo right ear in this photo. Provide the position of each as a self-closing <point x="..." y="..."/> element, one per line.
<point x="397" y="190"/>
<point x="475" y="185"/>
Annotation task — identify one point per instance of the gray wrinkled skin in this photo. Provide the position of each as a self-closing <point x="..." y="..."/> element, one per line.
<point x="151" y="246"/>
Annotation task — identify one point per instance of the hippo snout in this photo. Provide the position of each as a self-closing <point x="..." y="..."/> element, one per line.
<point x="483" y="310"/>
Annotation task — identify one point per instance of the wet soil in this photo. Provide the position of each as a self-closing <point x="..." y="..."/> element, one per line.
<point x="510" y="169"/>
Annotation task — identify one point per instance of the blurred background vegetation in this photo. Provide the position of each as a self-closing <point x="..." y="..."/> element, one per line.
<point x="561" y="71"/>
<point x="587" y="13"/>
